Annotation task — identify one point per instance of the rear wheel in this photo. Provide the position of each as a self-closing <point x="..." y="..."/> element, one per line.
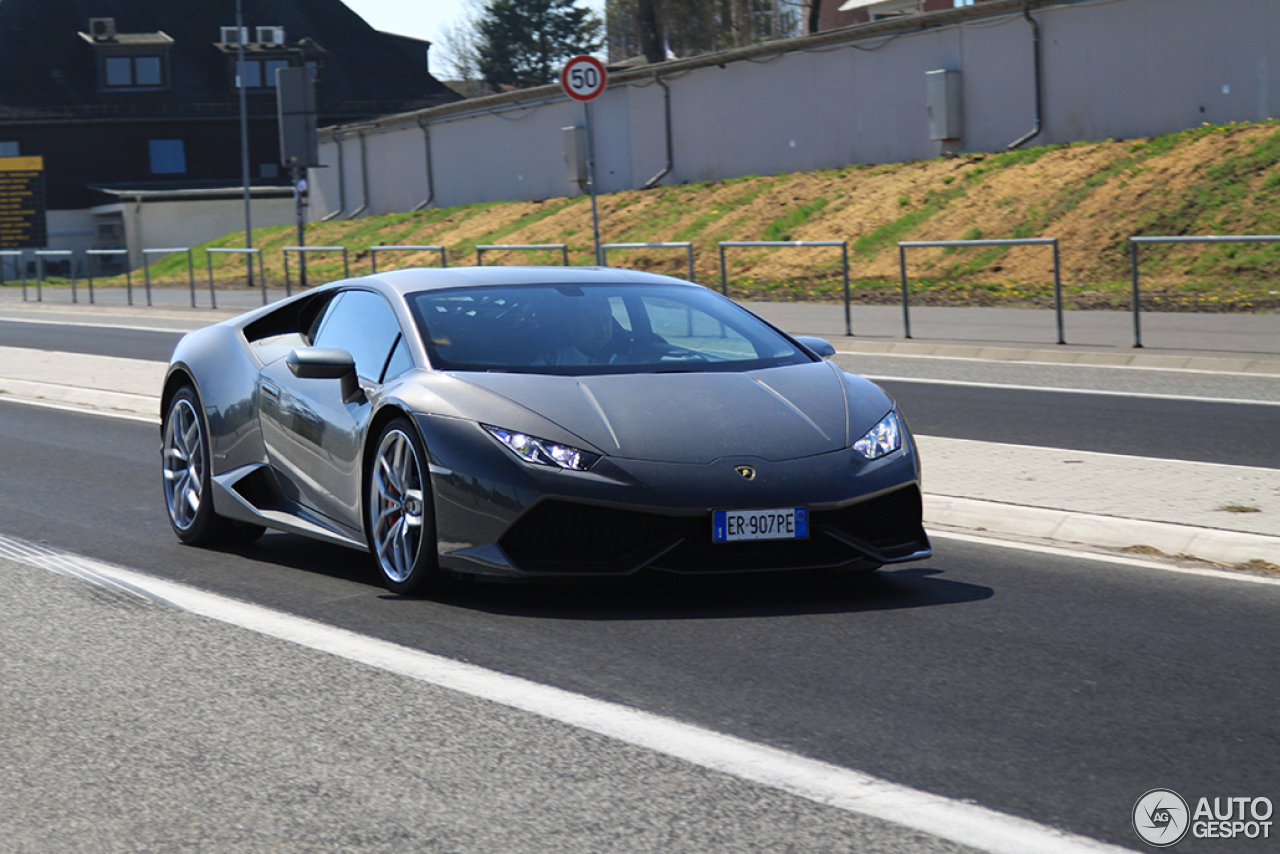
<point x="400" y="514"/>
<point x="187" y="478"/>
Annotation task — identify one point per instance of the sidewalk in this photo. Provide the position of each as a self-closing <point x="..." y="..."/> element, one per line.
<point x="1101" y="500"/>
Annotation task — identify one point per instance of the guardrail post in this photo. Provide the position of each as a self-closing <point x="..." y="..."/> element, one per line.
<point x="1133" y="272"/>
<point x="683" y="244"/>
<point x="906" y="312"/>
<point x="844" y="250"/>
<point x="529" y="247"/>
<point x="844" y="260"/>
<point x="191" y="275"/>
<point x="1057" y="290"/>
<point x="724" y="276"/>
<point x="903" y="245"/>
<point x="18" y="268"/>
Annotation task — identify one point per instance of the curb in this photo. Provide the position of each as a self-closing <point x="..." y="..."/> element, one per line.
<point x="90" y="400"/>
<point x="1210" y="544"/>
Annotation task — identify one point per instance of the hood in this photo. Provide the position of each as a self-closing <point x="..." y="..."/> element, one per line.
<point x="775" y="414"/>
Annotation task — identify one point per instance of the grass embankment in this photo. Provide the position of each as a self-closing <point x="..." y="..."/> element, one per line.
<point x="1092" y="196"/>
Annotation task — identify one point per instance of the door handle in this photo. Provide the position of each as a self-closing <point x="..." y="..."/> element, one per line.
<point x="270" y="391"/>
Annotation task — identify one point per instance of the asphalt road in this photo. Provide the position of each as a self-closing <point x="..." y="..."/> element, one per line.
<point x="1055" y="688"/>
<point x="1013" y="412"/>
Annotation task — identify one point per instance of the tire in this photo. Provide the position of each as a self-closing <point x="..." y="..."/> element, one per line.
<point x="187" y="478"/>
<point x="400" y="513"/>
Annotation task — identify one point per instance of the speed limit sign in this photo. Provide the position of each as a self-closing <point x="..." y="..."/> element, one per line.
<point x="583" y="78"/>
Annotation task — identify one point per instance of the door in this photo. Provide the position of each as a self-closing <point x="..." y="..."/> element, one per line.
<point x="313" y="437"/>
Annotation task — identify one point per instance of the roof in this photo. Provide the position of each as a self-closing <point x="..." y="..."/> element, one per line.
<point x="435" y="278"/>
<point x="47" y="61"/>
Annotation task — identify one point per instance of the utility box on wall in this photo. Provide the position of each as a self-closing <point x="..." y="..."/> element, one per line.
<point x="942" y="100"/>
<point x="575" y="155"/>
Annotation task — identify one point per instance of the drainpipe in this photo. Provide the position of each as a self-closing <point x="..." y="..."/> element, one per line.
<point x="1035" y="59"/>
<point x="666" y="105"/>
<point x="364" y="177"/>
<point x="342" y="185"/>
<point x="431" y="184"/>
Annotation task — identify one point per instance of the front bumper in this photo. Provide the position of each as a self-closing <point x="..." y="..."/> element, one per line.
<point x="496" y="516"/>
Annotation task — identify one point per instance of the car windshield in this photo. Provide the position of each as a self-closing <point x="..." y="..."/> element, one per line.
<point x="595" y="329"/>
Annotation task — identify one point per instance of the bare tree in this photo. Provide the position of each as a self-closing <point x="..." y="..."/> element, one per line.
<point x="460" y="58"/>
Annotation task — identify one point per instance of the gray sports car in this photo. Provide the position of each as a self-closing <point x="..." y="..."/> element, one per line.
<point x="535" y="422"/>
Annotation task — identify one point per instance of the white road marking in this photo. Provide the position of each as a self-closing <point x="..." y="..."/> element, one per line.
<point x="1059" y="390"/>
<point x="6" y="319"/>
<point x="822" y="782"/>
<point x="1122" y="560"/>
<point x="83" y="410"/>
<point x="1241" y="357"/>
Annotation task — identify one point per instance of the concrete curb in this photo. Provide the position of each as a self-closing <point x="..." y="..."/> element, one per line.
<point x="91" y="400"/>
<point x="1210" y="544"/>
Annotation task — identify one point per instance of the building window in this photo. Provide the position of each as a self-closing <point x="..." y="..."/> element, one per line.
<point x="10" y="149"/>
<point x="168" y="157"/>
<point x="133" y="72"/>
<point x="260" y="73"/>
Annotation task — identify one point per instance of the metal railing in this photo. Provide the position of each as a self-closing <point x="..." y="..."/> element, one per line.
<point x="90" y="254"/>
<point x="52" y="253"/>
<point x="191" y="268"/>
<point x="18" y="268"/>
<point x="523" y="247"/>
<point x="1135" y="242"/>
<point x="904" y="245"/>
<point x="237" y="250"/>
<point x="686" y="245"/>
<point x="302" y="250"/>
<point x="374" y="250"/>
<point x="844" y="259"/>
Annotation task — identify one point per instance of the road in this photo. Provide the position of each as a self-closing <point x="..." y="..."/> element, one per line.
<point x="1056" y="688"/>
<point x="1152" y="414"/>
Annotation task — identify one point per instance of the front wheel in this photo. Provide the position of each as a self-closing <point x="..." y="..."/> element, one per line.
<point x="400" y="514"/>
<point x="187" y="477"/>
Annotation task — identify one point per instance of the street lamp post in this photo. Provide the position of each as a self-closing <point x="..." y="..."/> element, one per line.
<point x="244" y="138"/>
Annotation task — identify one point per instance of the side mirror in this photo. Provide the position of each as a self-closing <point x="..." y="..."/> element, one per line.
<point x="325" y="363"/>
<point x="818" y="346"/>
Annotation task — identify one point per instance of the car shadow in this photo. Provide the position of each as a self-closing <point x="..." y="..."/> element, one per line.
<point x="656" y="596"/>
<point x="727" y="596"/>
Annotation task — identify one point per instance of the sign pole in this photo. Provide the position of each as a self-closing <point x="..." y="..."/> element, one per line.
<point x="591" y="181"/>
<point x="584" y="78"/>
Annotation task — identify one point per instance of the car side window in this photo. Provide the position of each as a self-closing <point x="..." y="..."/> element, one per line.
<point x="363" y="324"/>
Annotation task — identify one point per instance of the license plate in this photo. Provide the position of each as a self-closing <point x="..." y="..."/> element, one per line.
<point x="784" y="523"/>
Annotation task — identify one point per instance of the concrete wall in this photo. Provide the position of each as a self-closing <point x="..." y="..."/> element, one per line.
<point x="169" y="224"/>
<point x="1111" y="69"/>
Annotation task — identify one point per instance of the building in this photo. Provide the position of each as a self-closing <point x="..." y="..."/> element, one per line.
<point x="133" y="107"/>
<point x="844" y="13"/>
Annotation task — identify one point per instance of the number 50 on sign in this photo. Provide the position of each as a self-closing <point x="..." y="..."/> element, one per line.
<point x="583" y="78"/>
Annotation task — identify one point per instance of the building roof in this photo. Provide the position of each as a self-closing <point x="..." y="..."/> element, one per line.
<point x="48" y="60"/>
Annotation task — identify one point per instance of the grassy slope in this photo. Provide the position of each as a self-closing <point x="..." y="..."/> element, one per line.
<point x="1092" y="196"/>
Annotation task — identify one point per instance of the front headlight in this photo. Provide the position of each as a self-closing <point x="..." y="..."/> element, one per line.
<point x="882" y="439"/>
<point x="540" y="452"/>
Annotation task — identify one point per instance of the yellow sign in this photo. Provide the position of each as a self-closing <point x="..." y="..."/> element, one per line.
<point x="22" y="210"/>
<point x="21" y="164"/>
